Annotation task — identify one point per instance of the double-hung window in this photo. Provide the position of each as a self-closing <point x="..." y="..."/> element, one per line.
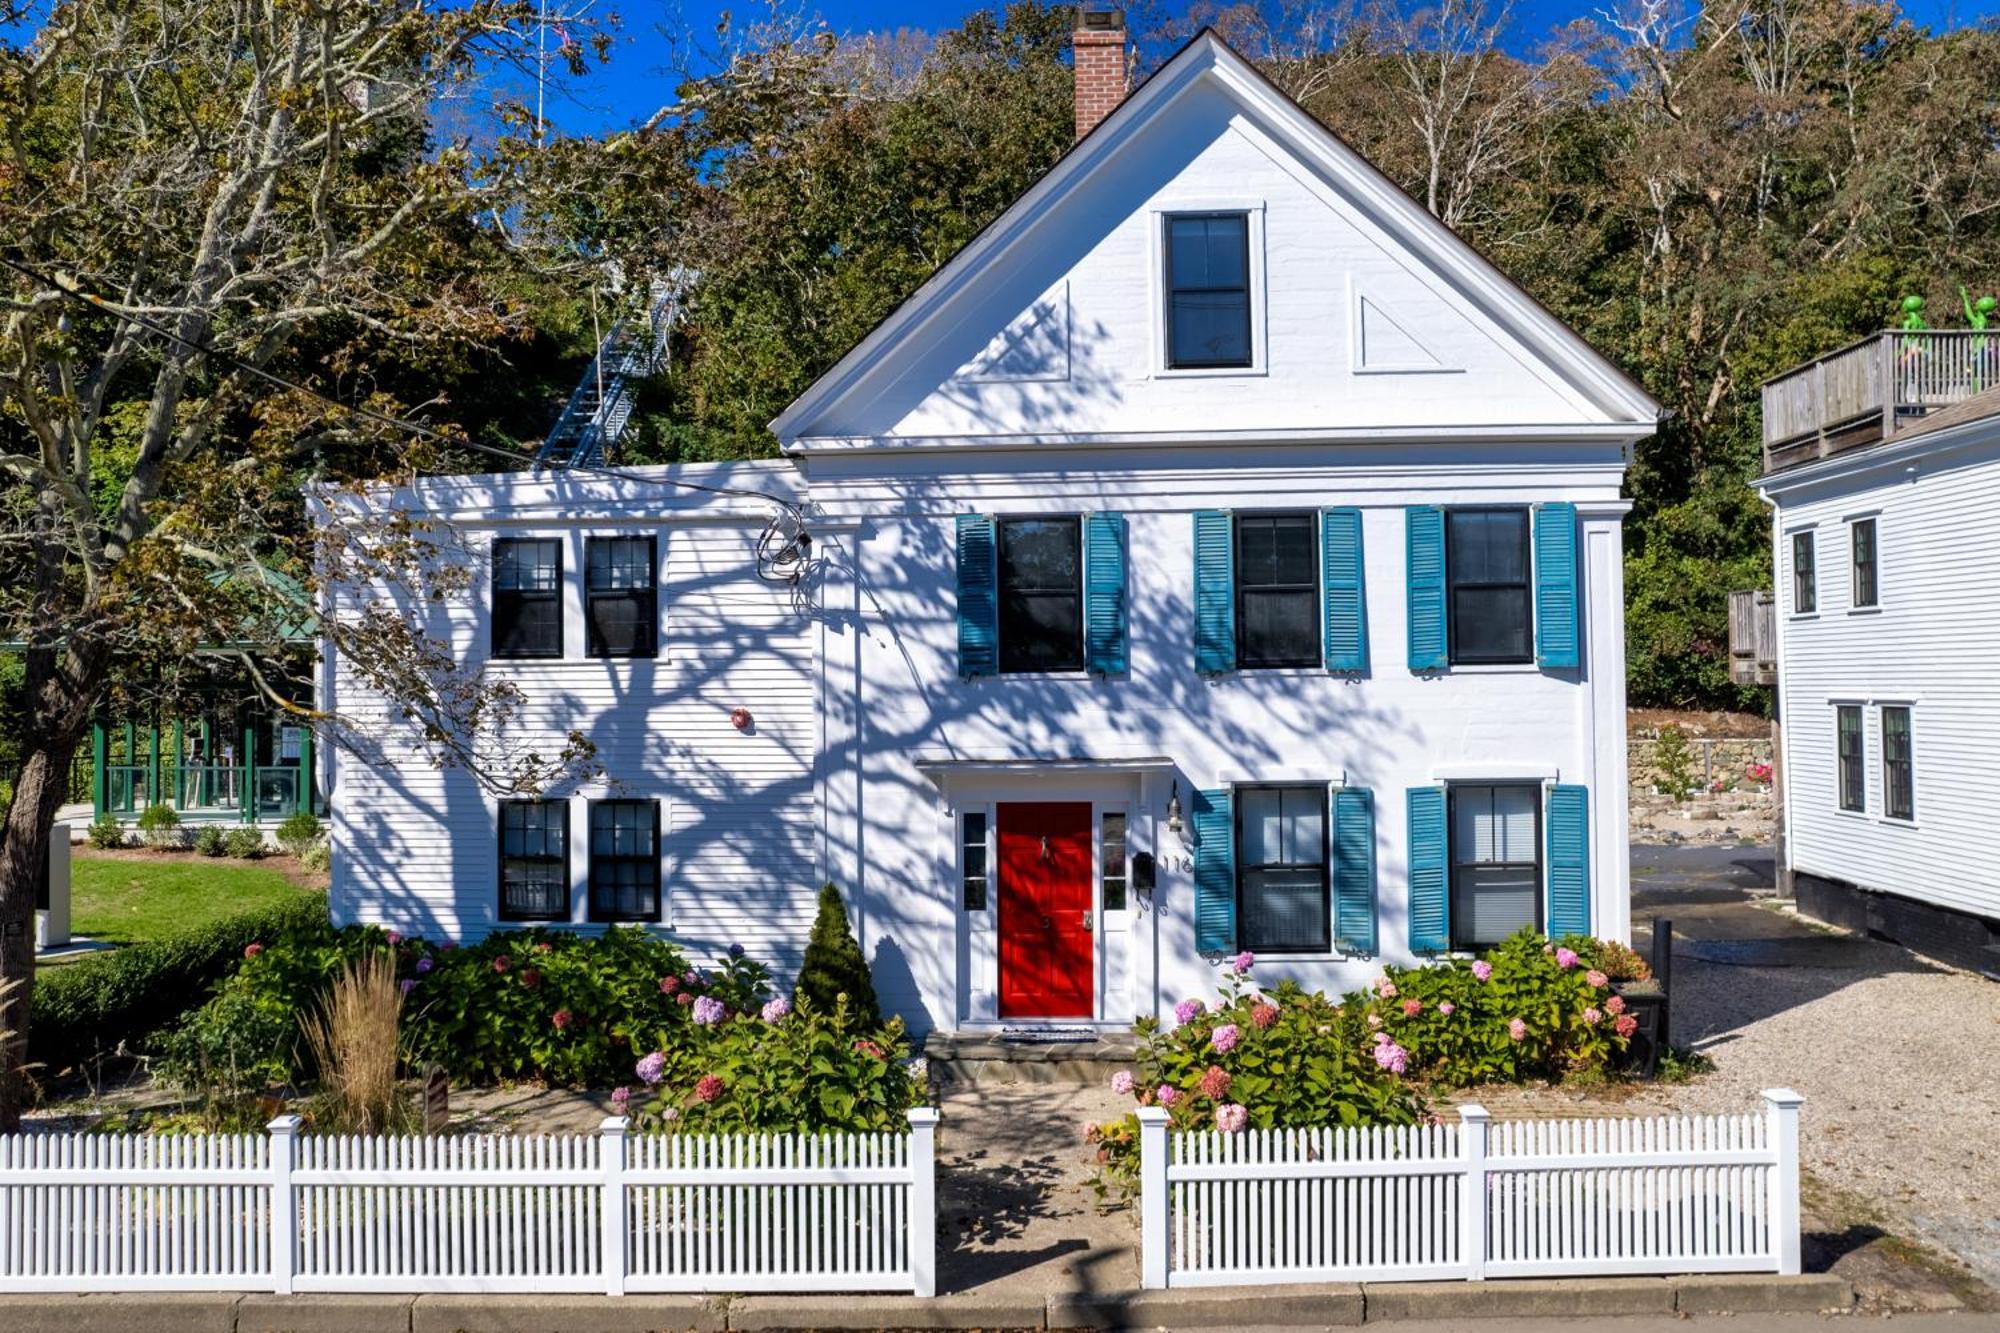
<point x="1848" y="740"/>
<point x="1862" y="539"/>
<point x="625" y="861"/>
<point x="1277" y="590"/>
<point x="1041" y="594"/>
<point x="1899" y="763"/>
<point x="1496" y="865"/>
<point x="534" y="860"/>
<point x="527" y="597"/>
<point x="1208" y="291"/>
<point x="1281" y="870"/>
<point x="1805" y="574"/>
<point x="620" y="604"/>
<point x="1489" y="576"/>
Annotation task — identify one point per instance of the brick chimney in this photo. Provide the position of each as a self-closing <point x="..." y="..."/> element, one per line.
<point x="1099" y="50"/>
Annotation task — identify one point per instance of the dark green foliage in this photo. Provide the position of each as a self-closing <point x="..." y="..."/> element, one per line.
<point x="835" y="966"/>
<point x="211" y="840"/>
<point x="299" y="832"/>
<point x="106" y="833"/>
<point x="245" y="844"/>
<point x="88" y="1008"/>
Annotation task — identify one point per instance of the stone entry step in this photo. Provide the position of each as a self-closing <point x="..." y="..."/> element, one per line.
<point x="1029" y="1056"/>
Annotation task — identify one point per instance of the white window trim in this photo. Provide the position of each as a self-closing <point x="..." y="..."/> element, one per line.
<point x="1157" y="215"/>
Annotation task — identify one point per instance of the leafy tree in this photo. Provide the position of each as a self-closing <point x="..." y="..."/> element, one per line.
<point x="835" y="966"/>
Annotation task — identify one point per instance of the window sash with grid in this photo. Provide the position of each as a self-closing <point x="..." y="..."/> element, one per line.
<point x="625" y="861"/>
<point x="1503" y="631"/>
<point x="972" y="875"/>
<point x="1277" y="618"/>
<point x="1111" y="858"/>
<point x="1194" y="307"/>
<point x="1853" y="795"/>
<point x="1863" y="548"/>
<point x="1805" y="578"/>
<point x="1041" y="613"/>
<point x="534" y="861"/>
<point x="1898" y="764"/>
<point x="1499" y="859"/>
<point x="1282" y="903"/>
<point x="527" y="597"/>
<point x="621" y="604"/>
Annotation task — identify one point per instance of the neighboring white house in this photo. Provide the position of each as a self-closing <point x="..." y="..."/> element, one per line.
<point x="1216" y="554"/>
<point x="1883" y="473"/>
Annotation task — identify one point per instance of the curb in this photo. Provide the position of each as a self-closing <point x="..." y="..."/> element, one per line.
<point x="1317" y="1306"/>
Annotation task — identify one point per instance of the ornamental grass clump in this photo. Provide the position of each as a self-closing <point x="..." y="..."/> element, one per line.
<point x="355" y="1039"/>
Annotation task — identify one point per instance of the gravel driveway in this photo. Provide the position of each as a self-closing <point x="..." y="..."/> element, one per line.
<point x="1899" y="1061"/>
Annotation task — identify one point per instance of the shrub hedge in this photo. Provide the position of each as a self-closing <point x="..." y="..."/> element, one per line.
<point x="90" y="1007"/>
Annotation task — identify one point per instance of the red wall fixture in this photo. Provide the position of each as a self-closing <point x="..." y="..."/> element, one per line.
<point x="740" y="718"/>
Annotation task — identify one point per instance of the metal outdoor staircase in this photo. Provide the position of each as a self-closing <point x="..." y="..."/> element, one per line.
<point x="594" y="419"/>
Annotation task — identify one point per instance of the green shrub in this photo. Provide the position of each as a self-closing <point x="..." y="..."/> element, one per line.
<point x="160" y="826"/>
<point x="835" y="966"/>
<point x="299" y="832"/>
<point x="211" y="840"/>
<point x="317" y="858"/>
<point x="1674" y="758"/>
<point x="552" y="1005"/>
<point x="782" y="1068"/>
<point x="245" y="844"/>
<point x="106" y="833"/>
<point x="88" y="1008"/>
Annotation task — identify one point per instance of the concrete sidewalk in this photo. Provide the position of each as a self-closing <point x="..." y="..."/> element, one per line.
<point x="1239" y="1308"/>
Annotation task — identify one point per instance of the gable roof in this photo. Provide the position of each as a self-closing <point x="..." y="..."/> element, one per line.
<point x="1208" y="58"/>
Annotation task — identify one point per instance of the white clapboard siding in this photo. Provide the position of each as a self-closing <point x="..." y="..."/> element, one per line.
<point x="1580" y="1198"/>
<point x="479" y="1213"/>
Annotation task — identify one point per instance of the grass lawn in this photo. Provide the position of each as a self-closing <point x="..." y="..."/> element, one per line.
<point x="125" y="897"/>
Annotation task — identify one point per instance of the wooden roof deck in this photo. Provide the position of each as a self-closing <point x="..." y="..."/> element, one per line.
<point x="1871" y="390"/>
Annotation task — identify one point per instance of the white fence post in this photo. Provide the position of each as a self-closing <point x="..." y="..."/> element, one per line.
<point x="1153" y="1198"/>
<point x="1472" y="1202"/>
<point x="611" y="1211"/>
<point x="1784" y="1135"/>
<point x="284" y="1218"/>
<point x="922" y="1239"/>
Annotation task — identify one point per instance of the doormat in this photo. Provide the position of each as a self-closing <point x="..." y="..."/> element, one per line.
<point x="1048" y="1033"/>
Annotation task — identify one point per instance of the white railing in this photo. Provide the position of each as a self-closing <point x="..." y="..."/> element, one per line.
<point x="607" y="1212"/>
<point x="1474" y="1200"/>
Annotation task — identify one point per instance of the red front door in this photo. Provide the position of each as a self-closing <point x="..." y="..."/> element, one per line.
<point x="1046" y="955"/>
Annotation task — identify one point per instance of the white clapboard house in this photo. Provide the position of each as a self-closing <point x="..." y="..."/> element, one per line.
<point x="1882" y="469"/>
<point x="1217" y="554"/>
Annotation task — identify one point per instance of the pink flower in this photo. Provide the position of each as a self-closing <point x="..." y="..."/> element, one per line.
<point x="1566" y="958"/>
<point x="1411" y="1008"/>
<point x="708" y="1087"/>
<point x="1232" y="1118"/>
<point x="651" y="1068"/>
<point x="1243" y="962"/>
<point x="1374" y="1020"/>
<point x="708" y="1011"/>
<point x="867" y="1047"/>
<point x="1616" y="1004"/>
<point x="1225" y="1037"/>
<point x="1215" y="1083"/>
<point x="1482" y="969"/>
<point x="1597" y="978"/>
<point x="1167" y="1093"/>
<point x="562" y="1018"/>
<point x="1392" y="1057"/>
<point x="1516" y="1030"/>
<point x="1627" y="1024"/>
<point x="684" y="997"/>
<point x="1265" y="1016"/>
<point x="394" y="937"/>
<point x="775" y="1009"/>
<point x="545" y="947"/>
<point x="252" y="950"/>
<point x="1381" y="1037"/>
<point x="1385" y="988"/>
<point x="530" y="977"/>
<point x="1121" y="1083"/>
<point x="621" y="1099"/>
<point x="1593" y="1015"/>
<point x="502" y="963"/>
<point x="1188" y="1010"/>
<point x="668" y="985"/>
<point x="1447" y="1008"/>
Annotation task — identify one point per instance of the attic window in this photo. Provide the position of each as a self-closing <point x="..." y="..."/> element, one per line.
<point x="1208" y="290"/>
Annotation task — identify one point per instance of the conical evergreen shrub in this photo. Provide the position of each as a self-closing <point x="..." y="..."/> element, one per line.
<point x="835" y="966"/>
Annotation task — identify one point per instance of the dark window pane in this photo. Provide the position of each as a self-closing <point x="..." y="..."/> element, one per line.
<point x="1275" y="549"/>
<point x="1112" y="857"/>
<point x="1898" y="765"/>
<point x="1277" y="590"/>
<point x="1496" y="849"/>
<point x="1041" y="594"/>
<point x="1278" y="629"/>
<point x="1211" y="329"/>
<point x="1486" y="562"/>
<point x="1281" y="885"/>
<point x="620" y="607"/>
<point x="527" y="598"/>
<point x="1852" y="795"/>
<point x="624" y="861"/>
<point x="1864" y="562"/>
<point x="1208" y="290"/>
<point x="534" y="860"/>
<point x="974" y="851"/>
<point x="1805" y="580"/>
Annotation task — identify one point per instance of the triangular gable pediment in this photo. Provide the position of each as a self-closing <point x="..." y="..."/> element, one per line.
<point x="1369" y="314"/>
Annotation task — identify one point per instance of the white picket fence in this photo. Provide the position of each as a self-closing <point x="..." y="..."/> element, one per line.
<point x="607" y="1212"/>
<point x="1473" y="1200"/>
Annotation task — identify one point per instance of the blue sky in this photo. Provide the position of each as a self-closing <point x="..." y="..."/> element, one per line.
<point x="635" y="84"/>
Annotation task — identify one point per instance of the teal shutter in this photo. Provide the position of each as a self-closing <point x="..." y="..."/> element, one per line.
<point x="1214" y="592"/>
<point x="1424" y="577"/>
<point x="1354" y="870"/>
<point x="1556" y="618"/>
<point x="1344" y="605"/>
<point x="1104" y="623"/>
<point x="978" y="597"/>
<point x="1430" y="872"/>
<point x="1214" y="872"/>
<point x="1569" y="861"/>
